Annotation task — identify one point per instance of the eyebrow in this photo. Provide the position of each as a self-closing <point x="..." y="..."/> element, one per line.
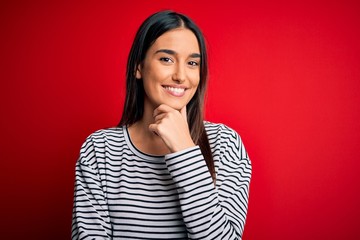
<point x="172" y="52"/>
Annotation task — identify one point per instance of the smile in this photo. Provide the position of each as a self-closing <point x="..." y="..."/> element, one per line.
<point x="175" y="91"/>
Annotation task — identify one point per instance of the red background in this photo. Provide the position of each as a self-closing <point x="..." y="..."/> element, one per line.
<point x="284" y="75"/>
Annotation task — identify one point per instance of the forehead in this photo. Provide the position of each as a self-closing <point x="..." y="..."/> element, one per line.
<point x="181" y="40"/>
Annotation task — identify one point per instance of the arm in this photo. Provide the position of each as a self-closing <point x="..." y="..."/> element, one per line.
<point x="90" y="214"/>
<point x="209" y="212"/>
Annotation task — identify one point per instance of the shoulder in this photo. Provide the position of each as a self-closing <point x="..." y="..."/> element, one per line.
<point x="219" y="130"/>
<point x="96" y="142"/>
<point x="225" y="138"/>
<point x="104" y="135"/>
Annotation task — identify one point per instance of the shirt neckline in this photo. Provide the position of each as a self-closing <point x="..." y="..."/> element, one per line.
<point x="136" y="151"/>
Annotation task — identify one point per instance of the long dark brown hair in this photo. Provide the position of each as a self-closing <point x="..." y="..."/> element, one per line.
<point x="152" y="28"/>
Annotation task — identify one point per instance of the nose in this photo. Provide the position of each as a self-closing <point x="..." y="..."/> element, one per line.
<point x="179" y="74"/>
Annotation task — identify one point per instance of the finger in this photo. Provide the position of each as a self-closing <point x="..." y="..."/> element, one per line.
<point x="154" y="128"/>
<point x="158" y="117"/>
<point x="161" y="109"/>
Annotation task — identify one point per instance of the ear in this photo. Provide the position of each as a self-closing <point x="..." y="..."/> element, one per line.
<point x="138" y="72"/>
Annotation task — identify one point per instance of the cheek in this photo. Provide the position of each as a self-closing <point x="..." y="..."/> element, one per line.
<point x="194" y="89"/>
<point x="196" y="83"/>
<point x="150" y="79"/>
<point x="155" y="75"/>
<point x="194" y="79"/>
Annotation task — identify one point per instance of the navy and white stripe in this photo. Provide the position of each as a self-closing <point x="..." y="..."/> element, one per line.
<point x="122" y="193"/>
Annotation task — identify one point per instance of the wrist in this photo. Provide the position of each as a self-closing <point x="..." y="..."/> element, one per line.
<point x="183" y="147"/>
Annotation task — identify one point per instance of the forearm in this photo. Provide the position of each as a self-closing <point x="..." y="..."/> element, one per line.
<point x="90" y="214"/>
<point x="204" y="215"/>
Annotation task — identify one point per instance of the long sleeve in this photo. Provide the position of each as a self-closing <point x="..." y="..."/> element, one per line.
<point x="211" y="212"/>
<point x="122" y="193"/>
<point x="90" y="212"/>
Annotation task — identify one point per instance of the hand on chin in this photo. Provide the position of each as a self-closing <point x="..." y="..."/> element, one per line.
<point x="171" y="125"/>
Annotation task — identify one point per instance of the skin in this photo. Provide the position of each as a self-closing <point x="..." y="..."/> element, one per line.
<point x="171" y="74"/>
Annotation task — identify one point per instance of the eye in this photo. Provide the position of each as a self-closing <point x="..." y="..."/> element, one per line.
<point x="166" y="59"/>
<point x="193" y="63"/>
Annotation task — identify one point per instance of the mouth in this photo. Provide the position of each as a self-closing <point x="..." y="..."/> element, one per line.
<point x="175" y="91"/>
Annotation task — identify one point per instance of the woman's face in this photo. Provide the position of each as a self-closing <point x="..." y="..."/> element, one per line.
<point x="171" y="69"/>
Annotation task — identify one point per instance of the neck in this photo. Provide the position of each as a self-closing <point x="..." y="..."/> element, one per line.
<point x="145" y="121"/>
<point x="145" y="140"/>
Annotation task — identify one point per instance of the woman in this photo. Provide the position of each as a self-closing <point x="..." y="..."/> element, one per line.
<point x="163" y="173"/>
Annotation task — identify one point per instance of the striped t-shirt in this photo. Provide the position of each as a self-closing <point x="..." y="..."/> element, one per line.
<point x="123" y="193"/>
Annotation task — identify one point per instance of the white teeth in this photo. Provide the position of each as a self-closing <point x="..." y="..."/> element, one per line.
<point x="176" y="90"/>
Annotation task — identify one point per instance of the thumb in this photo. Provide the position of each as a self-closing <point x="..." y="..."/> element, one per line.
<point x="184" y="113"/>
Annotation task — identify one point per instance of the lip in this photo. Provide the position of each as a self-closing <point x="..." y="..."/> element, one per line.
<point x="175" y="90"/>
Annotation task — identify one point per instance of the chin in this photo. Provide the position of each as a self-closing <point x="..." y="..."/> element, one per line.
<point x="175" y="105"/>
